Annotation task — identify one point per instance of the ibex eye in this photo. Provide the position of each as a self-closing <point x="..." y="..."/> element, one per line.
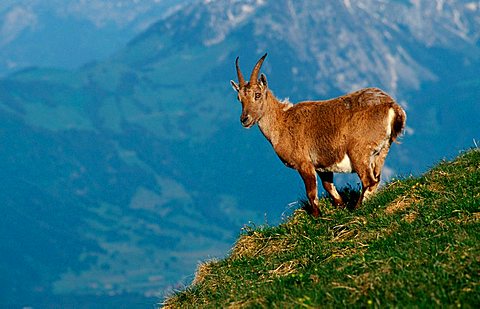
<point x="257" y="95"/>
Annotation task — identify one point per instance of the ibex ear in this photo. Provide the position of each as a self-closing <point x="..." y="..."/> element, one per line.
<point x="263" y="80"/>
<point x="235" y="86"/>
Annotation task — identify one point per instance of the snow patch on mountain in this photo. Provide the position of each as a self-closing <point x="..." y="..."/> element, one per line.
<point x="223" y="19"/>
<point x="14" y="22"/>
<point x="335" y="37"/>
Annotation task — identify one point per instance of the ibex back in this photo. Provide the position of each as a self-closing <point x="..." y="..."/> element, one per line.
<point x="351" y="133"/>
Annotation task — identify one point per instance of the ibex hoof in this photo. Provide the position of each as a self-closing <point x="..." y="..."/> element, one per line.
<point x="312" y="210"/>
<point x="339" y="204"/>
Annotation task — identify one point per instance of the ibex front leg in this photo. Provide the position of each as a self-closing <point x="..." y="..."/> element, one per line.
<point x="327" y="182"/>
<point x="309" y="177"/>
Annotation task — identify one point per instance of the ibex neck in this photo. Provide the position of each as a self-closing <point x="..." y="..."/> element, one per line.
<point x="270" y="123"/>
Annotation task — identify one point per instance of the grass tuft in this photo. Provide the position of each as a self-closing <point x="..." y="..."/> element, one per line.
<point x="415" y="243"/>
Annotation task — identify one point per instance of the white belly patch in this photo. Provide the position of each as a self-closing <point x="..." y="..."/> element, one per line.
<point x="344" y="166"/>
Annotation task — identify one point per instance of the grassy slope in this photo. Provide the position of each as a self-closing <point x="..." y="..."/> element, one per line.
<point x="417" y="242"/>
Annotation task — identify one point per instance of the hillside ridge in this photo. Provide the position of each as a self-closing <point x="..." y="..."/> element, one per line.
<point x="415" y="243"/>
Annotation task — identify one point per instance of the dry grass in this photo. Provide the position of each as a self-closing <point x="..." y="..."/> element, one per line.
<point x="257" y="244"/>
<point x="286" y="268"/>
<point x="402" y="203"/>
<point x="410" y="217"/>
<point x="203" y="270"/>
<point x="249" y="303"/>
<point x="347" y="231"/>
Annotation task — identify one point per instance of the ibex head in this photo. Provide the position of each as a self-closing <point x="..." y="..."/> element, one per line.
<point x="252" y="94"/>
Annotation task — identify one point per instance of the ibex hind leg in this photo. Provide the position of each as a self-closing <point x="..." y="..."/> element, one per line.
<point x="369" y="186"/>
<point x="379" y="160"/>
<point x="370" y="174"/>
<point x="369" y="180"/>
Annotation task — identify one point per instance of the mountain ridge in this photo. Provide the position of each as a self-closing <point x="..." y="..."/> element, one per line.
<point x="69" y="33"/>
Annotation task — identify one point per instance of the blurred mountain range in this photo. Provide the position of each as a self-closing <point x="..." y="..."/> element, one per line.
<point x="120" y="175"/>
<point x="69" y="33"/>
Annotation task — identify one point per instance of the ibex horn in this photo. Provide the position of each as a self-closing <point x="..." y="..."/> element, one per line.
<point x="256" y="69"/>
<point x="241" y="80"/>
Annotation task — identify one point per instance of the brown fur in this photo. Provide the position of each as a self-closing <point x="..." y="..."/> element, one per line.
<point x="315" y="136"/>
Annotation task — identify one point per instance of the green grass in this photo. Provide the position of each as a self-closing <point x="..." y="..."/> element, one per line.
<point x="416" y="243"/>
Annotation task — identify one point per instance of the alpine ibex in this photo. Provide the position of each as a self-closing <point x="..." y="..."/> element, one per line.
<point x="351" y="133"/>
